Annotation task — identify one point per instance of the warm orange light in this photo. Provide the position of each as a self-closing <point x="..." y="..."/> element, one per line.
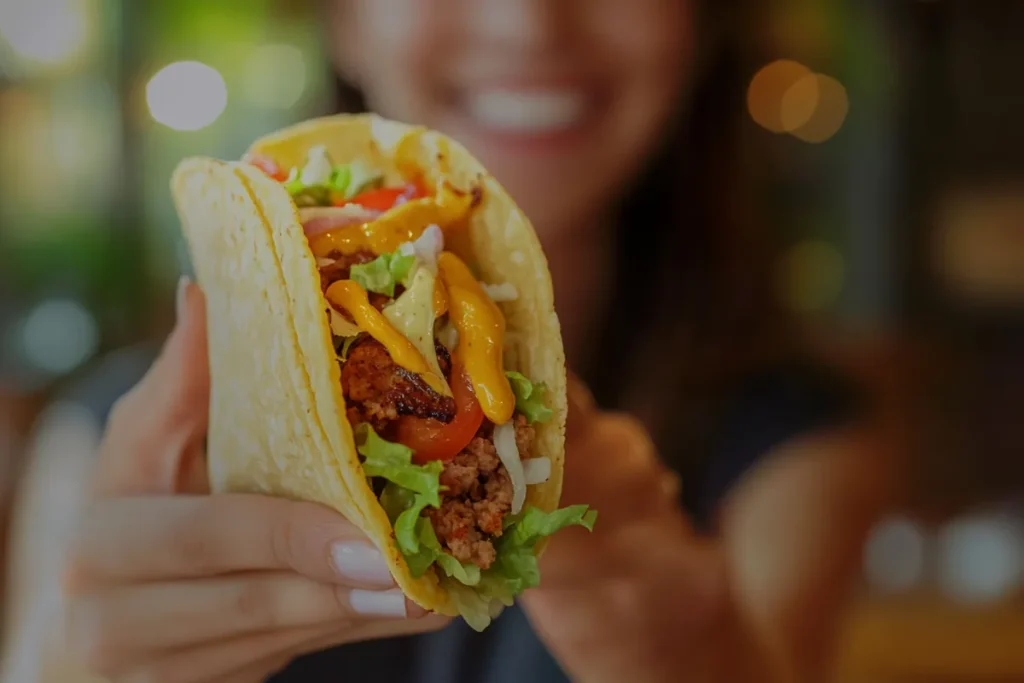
<point x="815" y="108"/>
<point x="767" y="90"/>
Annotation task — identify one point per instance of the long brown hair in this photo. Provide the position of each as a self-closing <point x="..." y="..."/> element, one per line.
<point x="693" y="270"/>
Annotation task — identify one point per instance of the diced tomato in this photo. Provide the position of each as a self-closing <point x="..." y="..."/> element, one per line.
<point x="269" y="166"/>
<point x="388" y="198"/>
<point x="434" y="440"/>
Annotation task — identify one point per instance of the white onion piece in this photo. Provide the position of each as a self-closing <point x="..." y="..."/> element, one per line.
<point x="318" y="168"/>
<point x="341" y="327"/>
<point x="508" y="451"/>
<point x="317" y="220"/>
<point x="503" y="292"/>
<point x="536" y="470"/>
<point x="426" y="248"/>
<point x="449" y="337"/>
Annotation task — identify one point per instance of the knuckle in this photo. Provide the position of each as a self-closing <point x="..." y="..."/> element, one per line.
<point x="284" y="540"/>
<point x="256" y="605"/>
<point x="191" y="543"/>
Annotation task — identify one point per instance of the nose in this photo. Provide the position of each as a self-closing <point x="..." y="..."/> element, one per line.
<point x="527" y="25"/>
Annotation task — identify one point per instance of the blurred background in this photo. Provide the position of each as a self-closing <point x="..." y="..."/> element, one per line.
<point x="895" y="197"/>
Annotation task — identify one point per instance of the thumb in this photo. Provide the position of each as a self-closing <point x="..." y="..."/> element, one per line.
<point x="155" y="433"/>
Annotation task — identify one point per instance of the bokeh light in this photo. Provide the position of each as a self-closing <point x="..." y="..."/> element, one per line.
<point x="787" y="97"/>
<point x="47" y="33"/>
<point x="59" y="335"/>
<point x="187" y="96"/>
<point x="981" y="558"/>
<point x="895" y="555"/>
<point x="768" y="87"/>
<point x="815" y="108"/>
<point x="275" y="76"/>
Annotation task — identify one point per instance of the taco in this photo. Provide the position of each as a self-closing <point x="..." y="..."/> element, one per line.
<point x="383" y="340"/>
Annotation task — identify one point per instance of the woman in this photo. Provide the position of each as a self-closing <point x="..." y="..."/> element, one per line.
<point x="573" y="105"/>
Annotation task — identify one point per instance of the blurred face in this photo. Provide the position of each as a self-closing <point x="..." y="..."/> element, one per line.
<point x="563" y="100"/>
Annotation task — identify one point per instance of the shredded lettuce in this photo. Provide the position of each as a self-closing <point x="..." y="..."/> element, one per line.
<point x="478" y="595"/>
<point x="393" y="462"/>
<point x="416" y="538"/>
<point x="320" y="179"/>
<point x="383" y="273"/>
<point x="529" y="398"/>
<point x="516" y="567"/>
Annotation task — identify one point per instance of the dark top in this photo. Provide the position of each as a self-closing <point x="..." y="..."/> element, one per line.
<point x="768" y="410"/>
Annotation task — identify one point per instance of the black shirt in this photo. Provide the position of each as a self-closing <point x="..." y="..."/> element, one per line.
<point x="768" y="410"/>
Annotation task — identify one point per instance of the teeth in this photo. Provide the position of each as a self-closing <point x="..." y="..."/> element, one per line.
<point x="531" y="112"/>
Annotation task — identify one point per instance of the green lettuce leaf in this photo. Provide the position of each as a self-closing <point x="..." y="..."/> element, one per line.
<point x="393" y="462"/>
<point x="529" y="398"/>
<point x="516" y="565"/>
<point x="383" y="273"/>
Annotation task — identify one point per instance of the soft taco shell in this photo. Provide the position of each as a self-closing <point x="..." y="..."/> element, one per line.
<point x="277" y="422"/>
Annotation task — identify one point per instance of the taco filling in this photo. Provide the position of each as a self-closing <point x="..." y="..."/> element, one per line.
<point x="445" y="432"/>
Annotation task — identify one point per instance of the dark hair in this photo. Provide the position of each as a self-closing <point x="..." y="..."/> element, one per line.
<point x="707" y="312"/>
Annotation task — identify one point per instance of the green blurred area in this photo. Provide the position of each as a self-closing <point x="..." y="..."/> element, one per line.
<point x="85" y="211"/>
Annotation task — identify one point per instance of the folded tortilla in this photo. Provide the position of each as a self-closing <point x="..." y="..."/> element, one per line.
<point x="277" y="414"/>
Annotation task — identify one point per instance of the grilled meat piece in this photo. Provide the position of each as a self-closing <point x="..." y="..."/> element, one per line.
<point x="378" y="390"/>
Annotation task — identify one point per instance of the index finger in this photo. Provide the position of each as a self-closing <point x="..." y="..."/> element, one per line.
<point x="130" y="540"/>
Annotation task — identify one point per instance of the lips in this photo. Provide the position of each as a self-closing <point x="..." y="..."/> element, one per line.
<point x="530" y="112"/>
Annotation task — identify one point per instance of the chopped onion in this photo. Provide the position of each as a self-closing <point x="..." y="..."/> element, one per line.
<point x="324" y="262"/>
<point x="426" y="248"/>
<point x="318" y="168"/>
<point x="508" y="451"/>
<point x="317" y="220"/>
<point x="341" y="327"/>
<point x="503" y="292"/>
<point x="449" y="337"/>
<point x="536" y="470"/>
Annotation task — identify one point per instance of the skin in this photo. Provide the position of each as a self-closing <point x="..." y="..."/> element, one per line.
<point x="643" y="598"/>
<point x="422" y="60"/>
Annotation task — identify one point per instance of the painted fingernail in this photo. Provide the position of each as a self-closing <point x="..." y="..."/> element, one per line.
<point x="179" y="299"/>
<point x="378" y="603"/>
<point x="361" y="562"/>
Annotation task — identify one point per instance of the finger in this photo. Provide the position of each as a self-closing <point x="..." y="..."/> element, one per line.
<point x="158" y="539"/>
<point x="247" y="658"/>
<point x="164" y="418"/>
<point x="131" y="624"/>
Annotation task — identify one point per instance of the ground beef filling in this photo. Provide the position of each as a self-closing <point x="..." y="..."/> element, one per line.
<point x="478" y="496"/>
<point x="478" y="492"/>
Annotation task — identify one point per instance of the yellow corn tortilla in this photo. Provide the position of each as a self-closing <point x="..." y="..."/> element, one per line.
<point x="277" y="415"/>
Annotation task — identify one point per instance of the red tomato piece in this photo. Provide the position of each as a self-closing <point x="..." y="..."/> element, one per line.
<point x="434" y="440"/>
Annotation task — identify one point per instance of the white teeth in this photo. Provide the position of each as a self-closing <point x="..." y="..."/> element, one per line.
<point x="527" y="112"/>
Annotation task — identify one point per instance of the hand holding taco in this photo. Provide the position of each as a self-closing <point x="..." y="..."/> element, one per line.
<point x="383" y="341"/>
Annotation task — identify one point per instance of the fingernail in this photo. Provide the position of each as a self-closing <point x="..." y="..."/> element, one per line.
<point x="361" y="562"/>
<point x="378" y="603"/>
<point x="179" y="299"/>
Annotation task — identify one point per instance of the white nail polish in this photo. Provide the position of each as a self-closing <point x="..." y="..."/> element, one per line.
<point x="179" y="299"/>
<point x="361" y="562"/>
<point x="378" y="603"/>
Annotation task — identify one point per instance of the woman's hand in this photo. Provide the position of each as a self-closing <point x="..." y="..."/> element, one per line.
<point x="642" y="598"/>
<point x="167" y="583"/>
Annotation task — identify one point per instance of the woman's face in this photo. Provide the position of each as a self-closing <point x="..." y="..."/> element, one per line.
<point x="563" y="100"/>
